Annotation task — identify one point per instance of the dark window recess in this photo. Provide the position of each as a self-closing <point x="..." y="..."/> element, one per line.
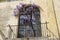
<point x="29" y="22"/>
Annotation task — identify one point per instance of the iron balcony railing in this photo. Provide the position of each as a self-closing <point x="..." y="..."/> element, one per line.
<point x="46" y="34"/>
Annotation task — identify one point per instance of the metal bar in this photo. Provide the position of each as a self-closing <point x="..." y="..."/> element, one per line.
<point x="10" y="28"/>
<point x="32" y="24"/>
<point x="16" y="25"/>
<point x="11" y="31"/>
<point x="50" y="31"/>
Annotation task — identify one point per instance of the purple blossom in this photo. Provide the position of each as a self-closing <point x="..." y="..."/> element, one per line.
<point x="35" y="6"/>
<point x="19" y="7"/>
<point x="29" y="9"/>
<point x="16" y="12"/>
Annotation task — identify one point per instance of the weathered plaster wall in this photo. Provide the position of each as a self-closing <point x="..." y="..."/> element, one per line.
<point x="47" y="14"/>
<point x="57" y="11"/>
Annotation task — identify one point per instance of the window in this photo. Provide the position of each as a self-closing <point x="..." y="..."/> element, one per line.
<point x="29" y="21"/>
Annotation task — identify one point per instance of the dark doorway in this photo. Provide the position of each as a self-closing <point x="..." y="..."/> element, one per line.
<point x="29" y="23"/>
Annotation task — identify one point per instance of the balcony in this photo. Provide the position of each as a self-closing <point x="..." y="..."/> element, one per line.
<point x="46" y="34"/>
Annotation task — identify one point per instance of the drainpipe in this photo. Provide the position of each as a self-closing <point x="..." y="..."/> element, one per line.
<point x="55" y="18"/>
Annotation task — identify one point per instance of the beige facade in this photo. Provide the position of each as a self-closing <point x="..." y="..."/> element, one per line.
<point x="47" y="15"/>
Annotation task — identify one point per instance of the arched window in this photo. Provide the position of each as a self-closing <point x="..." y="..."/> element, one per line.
<point x="29" y="23"/>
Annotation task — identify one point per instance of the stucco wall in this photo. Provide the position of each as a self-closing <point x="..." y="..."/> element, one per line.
<point x="57" y="10"/>
<point x="47" y="14"/>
